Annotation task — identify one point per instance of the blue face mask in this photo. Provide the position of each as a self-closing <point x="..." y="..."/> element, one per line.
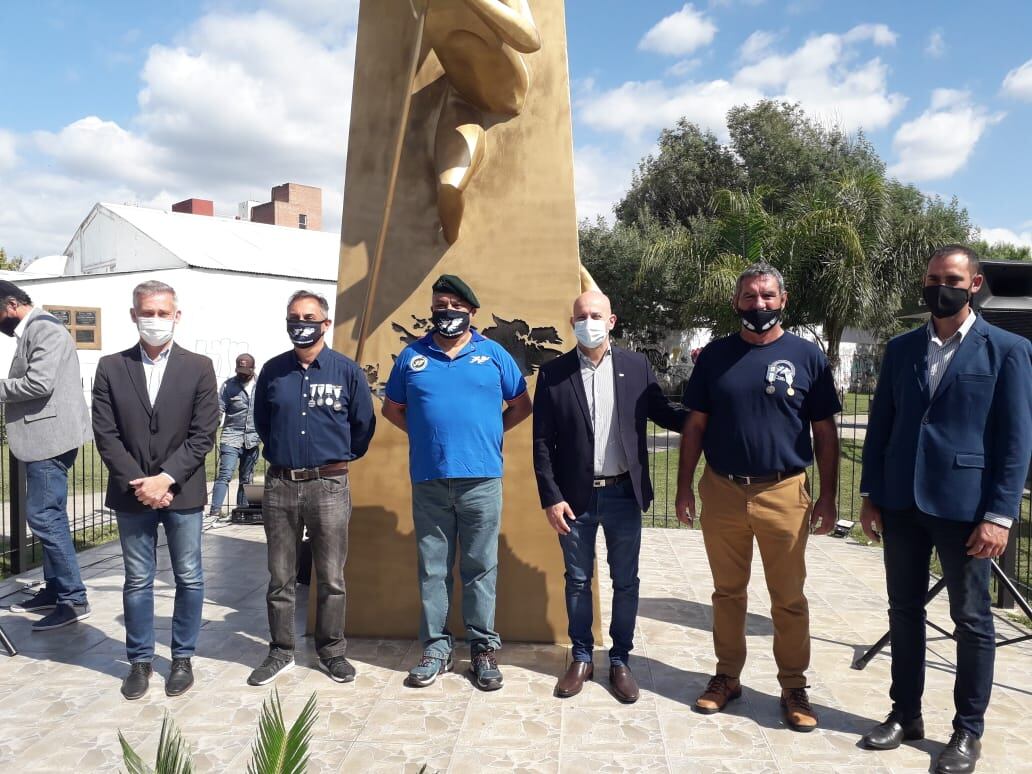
<point x="304" y="333"/>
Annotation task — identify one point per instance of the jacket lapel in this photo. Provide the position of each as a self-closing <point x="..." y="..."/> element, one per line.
<point x="134" y="365"/>
<point x="968" y="351"/>
<point x="577" y="382"/>
<point x="920" y="361"/>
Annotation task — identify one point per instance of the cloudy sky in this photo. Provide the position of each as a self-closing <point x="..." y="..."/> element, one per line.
<point x="151" y="103"/>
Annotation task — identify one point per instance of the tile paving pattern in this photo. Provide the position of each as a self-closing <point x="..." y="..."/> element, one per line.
<point x="60" y="708"/>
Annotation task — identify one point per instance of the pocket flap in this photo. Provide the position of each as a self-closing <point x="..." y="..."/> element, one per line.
<point x="970" y="460"/>
<point x="45" y="413"/>
<point x="976" y="377"/>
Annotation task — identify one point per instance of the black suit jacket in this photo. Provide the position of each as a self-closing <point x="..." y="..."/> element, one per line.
<point x="136" y="440"/>
<point x="564" y="439"/>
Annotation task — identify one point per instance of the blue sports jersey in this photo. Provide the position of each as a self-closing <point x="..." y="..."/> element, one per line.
<point x="453" y="408"/>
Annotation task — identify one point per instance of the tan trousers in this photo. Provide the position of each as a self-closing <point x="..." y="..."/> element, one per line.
<point x="777" y="515"/>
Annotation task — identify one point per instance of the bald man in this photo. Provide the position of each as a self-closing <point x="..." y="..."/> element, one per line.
<point x="592" y="470"/>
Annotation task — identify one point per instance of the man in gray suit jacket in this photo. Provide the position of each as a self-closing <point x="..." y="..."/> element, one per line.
<point x="47" y="422"/>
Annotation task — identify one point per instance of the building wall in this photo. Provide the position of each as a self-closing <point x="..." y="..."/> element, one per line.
<point x="288" y="202"/>
<point x="105" y="243"/>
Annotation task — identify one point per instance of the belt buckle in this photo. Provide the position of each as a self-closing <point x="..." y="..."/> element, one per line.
<point x="598" y="483"/>
<point x="297" y="474"/>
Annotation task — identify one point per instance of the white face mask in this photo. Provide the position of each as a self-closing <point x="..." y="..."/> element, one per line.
<point x="591" y="333"/>
<point x="156" y="331"/>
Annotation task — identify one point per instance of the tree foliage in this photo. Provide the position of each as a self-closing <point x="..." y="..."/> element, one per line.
<point x="10" y="263"/>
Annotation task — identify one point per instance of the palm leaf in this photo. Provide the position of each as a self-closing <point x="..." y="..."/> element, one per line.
<point x="173" y="755"/>
<point x="133" y="763"/>
<point x="277" y="750"/>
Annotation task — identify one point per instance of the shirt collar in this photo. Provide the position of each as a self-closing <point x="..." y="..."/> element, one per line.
<point x="319" y="361"/>
<point x="962" y="332"/>
<point x="586" y="361"/>
<point x="20" y="330"/>
<point x="429" y="343"/>
<point x="162" y="356"/>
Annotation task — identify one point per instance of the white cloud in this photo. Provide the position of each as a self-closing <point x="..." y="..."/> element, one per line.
<point x="996" y="235"/>
<point x="602" y="176"/>
<point x="940" y="141"/>
<point x="219" y="117"/>
<point x="8" y="151"/>
<point x="879" y="34"/>
<point x="756" y="45"/>
<point x="682" y="68"/>
<point x="679" y="33"/>
<point x="1018" y="83"/>
<point x="936" y="45"/>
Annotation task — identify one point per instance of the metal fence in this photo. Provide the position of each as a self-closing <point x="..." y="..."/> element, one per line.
<point x="852" y="425"/>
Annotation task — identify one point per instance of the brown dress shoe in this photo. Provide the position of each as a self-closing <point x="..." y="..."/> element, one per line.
<point x="570" y="684"/>
<point x="720" y="690"/>
<point x="797" y="711"/>
<point x="622" y="682"/>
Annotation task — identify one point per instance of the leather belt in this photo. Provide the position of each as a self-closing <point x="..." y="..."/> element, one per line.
<point x="307" y="474"/>
<point x="768" y="479"/>
<point x="601" y="481"/>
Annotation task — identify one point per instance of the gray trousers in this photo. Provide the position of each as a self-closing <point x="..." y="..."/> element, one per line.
<point x="324" y="506"/>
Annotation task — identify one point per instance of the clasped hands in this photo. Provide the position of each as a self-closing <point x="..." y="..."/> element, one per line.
<point x="153" y="491"/>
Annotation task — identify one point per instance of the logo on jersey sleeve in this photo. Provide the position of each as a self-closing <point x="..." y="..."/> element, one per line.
<point x="418" y="363"/>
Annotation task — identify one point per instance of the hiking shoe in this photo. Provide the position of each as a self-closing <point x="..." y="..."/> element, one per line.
<point x="137" y="681"/>
<point x="270" y="669"/>
<point x="63" y="615"/>
<point x="44" y="599"/>
<point x="486" y="674"/>
<point x="338" y="668"/>
<point x="180" y="677"/>
<point x="720" y="690"/>
<point x="426" y="671"/>
<point x="797" y="711"/>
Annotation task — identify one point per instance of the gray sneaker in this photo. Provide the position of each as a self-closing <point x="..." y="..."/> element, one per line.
<point x="486" y="674"/>
<point x="427" y="670"/>
<point x="270" y="669"/>
<point x="63" y="615"/>
<point x="338" y="668"/>
<point x="44" y="599"/>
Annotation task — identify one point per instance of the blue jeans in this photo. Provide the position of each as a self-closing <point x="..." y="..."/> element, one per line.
<point x="138" y="533"/>
<point x="463" y="514"/>
<point x="910" y="536"/>
<point x="616" y="510"/>
<point x="229" y="457"/>
<point x="46" y="511"/>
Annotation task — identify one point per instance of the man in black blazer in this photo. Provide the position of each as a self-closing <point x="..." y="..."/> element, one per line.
<point x="155" y="415"/>
<point x="591" y="461"/>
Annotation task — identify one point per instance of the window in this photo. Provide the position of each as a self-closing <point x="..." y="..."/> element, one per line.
<point x="302" y="221"/>
<point x="82" y="322"/>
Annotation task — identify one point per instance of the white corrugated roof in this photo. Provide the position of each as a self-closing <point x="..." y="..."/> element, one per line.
<point x="237" y="245"/>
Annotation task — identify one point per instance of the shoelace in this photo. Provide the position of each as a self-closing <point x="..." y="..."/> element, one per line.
<point x="180" y="665"/>
<point x="486" y="660"/>
<point x="798" y="698"/>
<point x="718" y="684"/>
<point x="427" y="661"/>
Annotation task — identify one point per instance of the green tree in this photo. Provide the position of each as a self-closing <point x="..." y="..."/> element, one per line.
<point x="1001" y="251"/>
<point x="10" y="264"/>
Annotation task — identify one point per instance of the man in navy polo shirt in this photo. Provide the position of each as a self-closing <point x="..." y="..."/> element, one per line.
<point x="446" y="391"/>
<point x="755" y="398"/>
<point x="314" y="413"/>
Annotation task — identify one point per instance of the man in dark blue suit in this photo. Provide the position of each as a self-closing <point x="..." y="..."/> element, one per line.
<point x="948" y="444"/>
<point x="591" y="461"/>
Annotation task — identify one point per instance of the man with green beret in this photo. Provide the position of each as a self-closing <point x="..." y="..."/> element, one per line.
<point x="446" y="391"/>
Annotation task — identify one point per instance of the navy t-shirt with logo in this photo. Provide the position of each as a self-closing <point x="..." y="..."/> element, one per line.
<point x="761" y="400"/>
<point x="453" y="407"/>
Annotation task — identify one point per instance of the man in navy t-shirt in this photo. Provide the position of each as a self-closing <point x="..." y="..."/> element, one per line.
<point x="755" y="397"/>
<point x="446" y="391"/>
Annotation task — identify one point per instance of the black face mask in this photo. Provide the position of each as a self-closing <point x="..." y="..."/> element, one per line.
<point x="450" y="323"/>
<point x="8" y="324"/>
<point x="944" y="301"/>
<point x="304" y="333"/>
<point x="759" y="320"/>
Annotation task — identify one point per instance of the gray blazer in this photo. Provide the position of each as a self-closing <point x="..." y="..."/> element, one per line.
<point x="45" y="408"/>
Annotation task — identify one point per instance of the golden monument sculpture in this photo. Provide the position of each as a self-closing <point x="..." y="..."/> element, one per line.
<point x="460" y="161"/>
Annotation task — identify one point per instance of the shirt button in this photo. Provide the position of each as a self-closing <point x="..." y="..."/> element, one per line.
<point x="302" y="432"/>
<point x="925" y="420"/>
<point x="303" y="414"/>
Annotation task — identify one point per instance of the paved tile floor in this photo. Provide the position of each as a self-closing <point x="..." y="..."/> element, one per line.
<point x="60" y="708"/>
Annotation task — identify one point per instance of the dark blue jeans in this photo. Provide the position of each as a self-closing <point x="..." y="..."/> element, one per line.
<point x="138" y="533"/>
<point x="616" y="510"/>
<point x="229" y="457"/>
<point x="46" y="511"/>
<point x="909" y="538"/>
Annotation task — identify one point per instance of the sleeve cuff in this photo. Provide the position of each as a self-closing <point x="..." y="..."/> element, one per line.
<point x="170" y="478"/>
<point x="998" y="519"/>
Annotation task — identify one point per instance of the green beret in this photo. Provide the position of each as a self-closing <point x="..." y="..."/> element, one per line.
<point x="449" y="283"/>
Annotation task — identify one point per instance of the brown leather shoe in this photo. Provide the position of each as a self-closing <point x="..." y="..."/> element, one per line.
<point x="622" y="682"/>
<point x="570" y="684"/>
<point x="720" y="690"/>
<point x="797" y="711"/>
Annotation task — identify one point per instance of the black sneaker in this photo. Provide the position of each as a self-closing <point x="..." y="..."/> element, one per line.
<point x="137" y="681"/>
<point x="338" y="668"/>
<point x="44" y="599"/>
<point x="486" y="674"/>
<point x="63" y="615"/>
<point x="270" y="669"/>
<point x="426" y="671"/>
<point x="180" y="678"/>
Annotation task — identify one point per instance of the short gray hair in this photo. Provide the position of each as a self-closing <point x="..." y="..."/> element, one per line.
<point x="760" y="270"/>
<point x="152" y="288"/>
<point x="302" y="294"/>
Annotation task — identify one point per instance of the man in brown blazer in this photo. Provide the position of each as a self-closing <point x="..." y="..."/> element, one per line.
<point x="155" y="415"/>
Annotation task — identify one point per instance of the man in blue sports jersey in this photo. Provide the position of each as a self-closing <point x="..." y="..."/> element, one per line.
<point x="446" y="391"/>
